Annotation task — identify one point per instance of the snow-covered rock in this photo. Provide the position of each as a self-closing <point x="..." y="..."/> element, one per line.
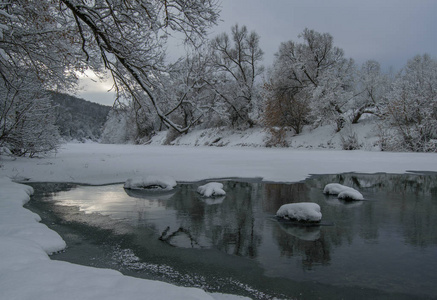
<point x="151" y="182"/>
<point x="343" y="192"/>
<point x="334" y="188"/>
<point x="350" y="194"/>
<point x="211" y="189"/>
<point x="304" y="211"/>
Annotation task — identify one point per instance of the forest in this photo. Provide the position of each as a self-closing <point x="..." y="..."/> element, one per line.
<point x="219" y="82"/>
<point x="78" y="119"/>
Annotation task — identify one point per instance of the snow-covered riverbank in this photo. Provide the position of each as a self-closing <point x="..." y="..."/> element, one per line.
<point x="26" y="271"/>
<point x="99" y="164"/>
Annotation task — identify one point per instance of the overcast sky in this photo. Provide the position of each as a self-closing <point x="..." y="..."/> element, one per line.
<point x="388" y="31"/>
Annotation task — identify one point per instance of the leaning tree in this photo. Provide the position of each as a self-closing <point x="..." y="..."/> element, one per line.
<point x="49" y="42"/>
<point x="130" y="38"/>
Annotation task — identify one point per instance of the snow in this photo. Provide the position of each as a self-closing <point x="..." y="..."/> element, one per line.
<point x="26" y="271"/>
<point x="343" y="192"/>
<point x="151" y="182"/>
<point x="102" y="164"/>
<point x="219" y="137"/>
<point x="304" y="211"/>
<point x="350" y="194"/>
<point x="334" y="188"/>
<point x="211" y="189"/>
<point x="321" y="138"/>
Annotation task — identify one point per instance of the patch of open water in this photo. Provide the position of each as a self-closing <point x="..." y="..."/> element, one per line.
<point x="382" y="248"/>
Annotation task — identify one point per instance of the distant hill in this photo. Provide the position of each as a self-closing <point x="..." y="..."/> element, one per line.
<point x="79" y="119"/>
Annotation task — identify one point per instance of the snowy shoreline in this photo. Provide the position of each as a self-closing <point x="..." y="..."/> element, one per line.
<point x="26" y="270"/>
<point x="97" y="164"/>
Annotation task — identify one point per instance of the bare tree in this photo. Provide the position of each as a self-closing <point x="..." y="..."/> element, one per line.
<point x="284" y="108"/>
<point x="237" y="58"/>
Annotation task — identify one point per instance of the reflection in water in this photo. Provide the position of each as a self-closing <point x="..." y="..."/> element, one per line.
<point x="375" y="244"/>
<point x="150" y="194"/>
<point x="312" y="251"/>
<point x="275" y="195"/>
<point x="306" y="233"/>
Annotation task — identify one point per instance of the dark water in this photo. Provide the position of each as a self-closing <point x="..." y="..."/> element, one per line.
<point x="381" y="248"/>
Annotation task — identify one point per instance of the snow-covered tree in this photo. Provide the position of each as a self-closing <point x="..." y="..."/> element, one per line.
<point x="371" y="88"/>
<point x="190" y="80"/>
<point x="237" y="60"/>
<point x="130" y="37"/>
<point x="50" y="41"/>
<point x="27" y="120"/>
<point x="38" y="38"/>
<point x="120" y="127"/>
<point x="313" y="75"/>
<point x="411" y="109"/>
<point x="37" y="53"/>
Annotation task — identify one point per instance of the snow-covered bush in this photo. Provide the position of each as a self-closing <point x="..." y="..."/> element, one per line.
<point x="349" y="139"/>
<point x="304" y="211"/>
<point x="277" y="137"/>
<point x="350" y="142"/>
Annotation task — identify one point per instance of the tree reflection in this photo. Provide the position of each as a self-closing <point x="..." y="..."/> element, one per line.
<point x="234" y="224"/>
<point x="313" y="252"/>
<point x="234" y="228"/>
<point x="369" y="242"/>
<point x="407" y="202"/>
<point x="276" y="194"/>
<point x="307" y="242"/>
<point x="228" y="225"/>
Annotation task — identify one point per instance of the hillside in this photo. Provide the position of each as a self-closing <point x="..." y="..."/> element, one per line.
<point x="79" y="119"/>
<point x="363" y="136"/>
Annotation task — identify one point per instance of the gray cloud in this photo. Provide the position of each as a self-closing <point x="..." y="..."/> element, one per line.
<point x="389" y="31"/>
